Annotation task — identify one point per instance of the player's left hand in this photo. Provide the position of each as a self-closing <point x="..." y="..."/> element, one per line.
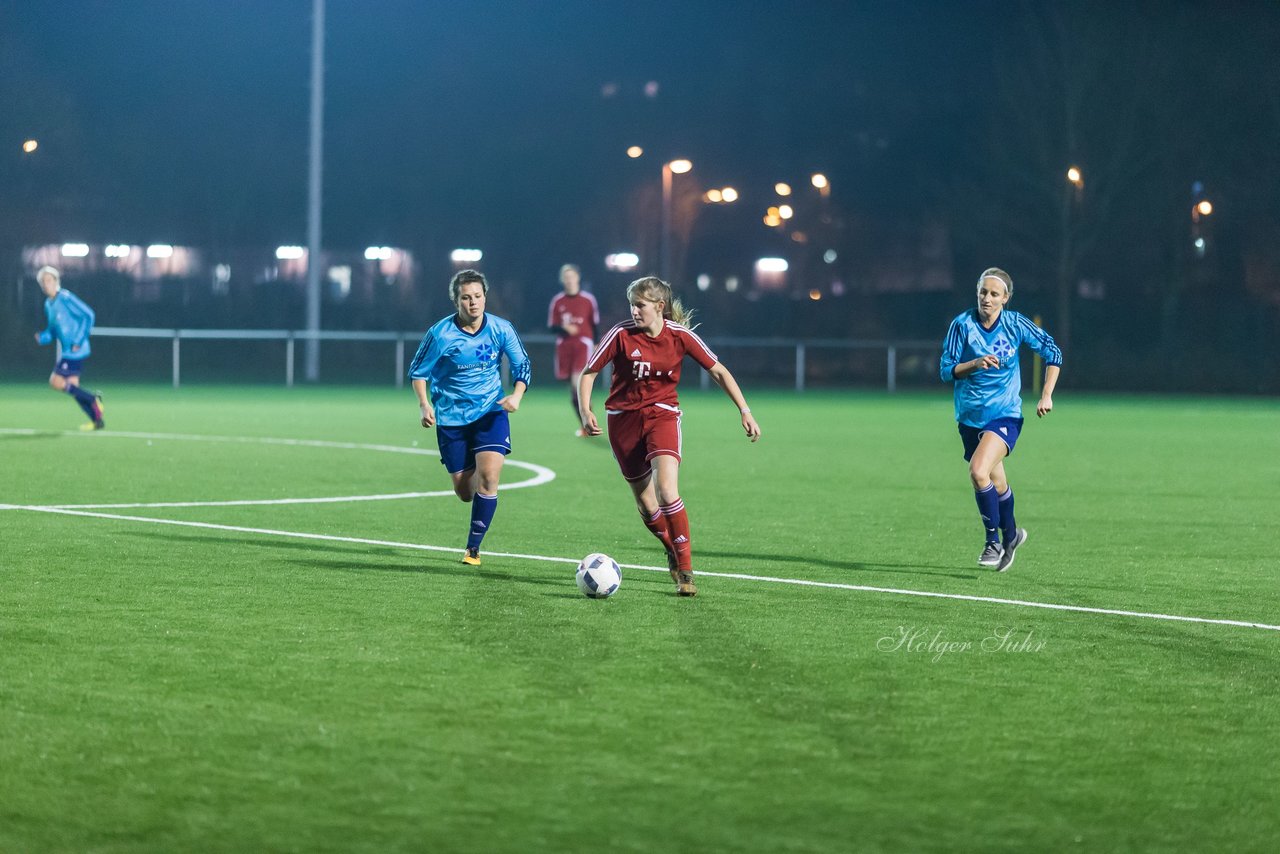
<point x="1044" y="407"/>
<point x="749" y="424"/>
<point x="510" y="403"/>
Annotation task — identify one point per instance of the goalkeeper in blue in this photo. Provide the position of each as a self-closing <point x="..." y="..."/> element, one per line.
<point x="980" y="355"/>
<point x="69" y="322"/>
<point x="459" y="360"/>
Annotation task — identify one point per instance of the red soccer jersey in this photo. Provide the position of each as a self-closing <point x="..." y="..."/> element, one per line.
<point x="646" y="371"/>
<point x="581" y="308"/>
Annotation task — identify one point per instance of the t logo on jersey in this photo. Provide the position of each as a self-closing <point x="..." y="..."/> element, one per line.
<point x="640" y="370"/>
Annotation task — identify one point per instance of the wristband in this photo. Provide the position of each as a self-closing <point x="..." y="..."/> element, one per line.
<point x="746" y="410"/>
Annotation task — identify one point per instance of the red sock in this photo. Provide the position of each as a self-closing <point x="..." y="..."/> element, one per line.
<point x="678" y="525"/>
<point x="657" y="526"/>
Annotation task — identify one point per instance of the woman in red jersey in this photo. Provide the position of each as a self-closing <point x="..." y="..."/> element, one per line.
<point x="644" y="411"/>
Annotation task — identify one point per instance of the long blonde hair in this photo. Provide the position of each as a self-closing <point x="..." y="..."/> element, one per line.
<point x="653" y="289"/>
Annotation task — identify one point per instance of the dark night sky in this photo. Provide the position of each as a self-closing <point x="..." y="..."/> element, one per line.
<point x="483" y="123"/>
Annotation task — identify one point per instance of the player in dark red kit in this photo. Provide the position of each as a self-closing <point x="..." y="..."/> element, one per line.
<point x="573" y="317"/>
<point x="644" y="411"/>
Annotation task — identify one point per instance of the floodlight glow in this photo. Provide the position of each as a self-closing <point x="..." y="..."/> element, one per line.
<point x="729" y="194"/>
<point x="160" y="250"/>
<point x="1074" y="176"/>
<point x="30" y="145"/>
<point x="772" y="265"/>
<point x="75" y="250"/>
<point x="772" y="220"/>
<point x="704" y="282"/>
<point x="731" y="284"/>
<point x="465" y="256"/>
<point x="288" y="253"/>
<point x="378" y="253"/>
<point x="713" y="196"/>
<point x="634" y="151"/>
<point x="1205" y="208"/>
<point x="782" y="189"/>
<point x="680" y="166"/>
<point x="815" y="294"/>
<point x="829" y="256"/>
<point x="622" y="262"/>
<point x="117" y="250"/>
<point x="820" y="181"/>
<point x="1200" y="243"/>
<point x="785" y="211"/>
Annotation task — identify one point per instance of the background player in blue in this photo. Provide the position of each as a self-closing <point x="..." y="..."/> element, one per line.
<point x="459" y="359"/>
<point x="69" y="323"/>
<point x="980" y="355"/>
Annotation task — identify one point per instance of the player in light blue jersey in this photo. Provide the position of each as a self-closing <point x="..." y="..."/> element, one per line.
<point x="980" y="355"/>
<point x="69" y="322"/>
<point x="459" y="359"/>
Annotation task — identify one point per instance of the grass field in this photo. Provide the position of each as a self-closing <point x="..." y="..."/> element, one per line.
<point x="229" y="684"/>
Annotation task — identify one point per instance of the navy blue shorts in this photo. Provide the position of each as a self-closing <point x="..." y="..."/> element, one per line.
<point x="458" y="445"/>
<point x="68" y="367"/>
<point x="1006" y="428"/>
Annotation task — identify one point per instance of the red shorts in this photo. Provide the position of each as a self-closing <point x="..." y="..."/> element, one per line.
<point x="571" y="356"/>
<point x="637" y="436"/>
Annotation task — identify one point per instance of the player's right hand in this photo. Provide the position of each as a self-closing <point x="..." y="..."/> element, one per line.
<point x="590" y="426"/>
<point x="428" y="416"/>
<point x="988" y="361"/>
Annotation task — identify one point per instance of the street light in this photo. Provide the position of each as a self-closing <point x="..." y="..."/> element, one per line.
<point x="671" y="167"/>
<point x="30" y="145"/>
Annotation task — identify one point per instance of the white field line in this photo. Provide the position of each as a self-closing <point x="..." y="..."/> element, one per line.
<point x="735" y="575"/>
<point x="541" y="473"/>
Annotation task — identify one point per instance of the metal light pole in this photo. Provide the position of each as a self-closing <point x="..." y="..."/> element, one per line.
<point x="314" y="206"/>
<point x="677" y="167"/>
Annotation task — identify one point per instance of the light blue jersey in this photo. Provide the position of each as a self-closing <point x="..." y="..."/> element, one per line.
<point x="70" y="322"/>
<point x="462" y="368"/>
<point x="984" y="396"/>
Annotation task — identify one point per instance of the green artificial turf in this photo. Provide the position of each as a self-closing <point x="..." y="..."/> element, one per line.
<point x="171" y="687"/>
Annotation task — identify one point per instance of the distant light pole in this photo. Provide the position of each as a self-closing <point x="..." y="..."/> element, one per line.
<point x="672" y="167"/>
<point x="1072" y="195"/>
<point x="314" y="184"/>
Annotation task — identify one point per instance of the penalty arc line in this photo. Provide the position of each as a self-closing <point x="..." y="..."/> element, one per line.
<point x="542" y="474"/>
<point x="963" y="597"/>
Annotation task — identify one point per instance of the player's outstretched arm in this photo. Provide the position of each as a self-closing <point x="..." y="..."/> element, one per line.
<point x="725" y="380"/>
<point x="586" y="382"/>
<point x="1045" y="406"/>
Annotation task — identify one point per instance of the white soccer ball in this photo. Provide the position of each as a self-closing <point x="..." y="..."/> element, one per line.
<point x="598" y="576"/>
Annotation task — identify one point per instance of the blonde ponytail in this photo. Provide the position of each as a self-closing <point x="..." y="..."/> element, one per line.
<point x="655" y="290"/>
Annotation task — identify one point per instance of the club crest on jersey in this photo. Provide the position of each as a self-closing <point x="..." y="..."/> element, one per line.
<point x="485" y="353"/>
<point x="1002" y="348"/>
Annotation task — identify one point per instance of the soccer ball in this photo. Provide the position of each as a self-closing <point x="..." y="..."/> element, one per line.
<point x="598" y="576"/>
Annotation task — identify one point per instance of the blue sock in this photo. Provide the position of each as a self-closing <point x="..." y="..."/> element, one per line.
<point x="1007" y="526"/>
<point x="482" y="509"/>
<point x="989" y="507"/>
<point x="84" y="399"/>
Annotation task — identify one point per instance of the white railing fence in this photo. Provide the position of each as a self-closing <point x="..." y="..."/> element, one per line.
<point x="804" y="363"/>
